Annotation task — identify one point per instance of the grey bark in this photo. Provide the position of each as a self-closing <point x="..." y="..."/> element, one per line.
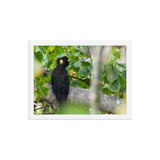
<point x="79" y="96"/>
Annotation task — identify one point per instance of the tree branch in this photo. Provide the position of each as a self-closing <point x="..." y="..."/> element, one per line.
<point x="70" y="77"/>
<point x="44" y="108"/>
<point x="38" y="108"/>
<point x="79" y="96"/>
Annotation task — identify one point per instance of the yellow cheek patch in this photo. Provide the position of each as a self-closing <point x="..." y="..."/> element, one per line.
<point x="61" y="61"/>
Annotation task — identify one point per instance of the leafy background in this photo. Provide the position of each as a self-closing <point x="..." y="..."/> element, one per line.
<point x="113" y="79"/>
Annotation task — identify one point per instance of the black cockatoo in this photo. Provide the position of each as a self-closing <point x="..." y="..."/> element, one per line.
<point x="60" y="83"/>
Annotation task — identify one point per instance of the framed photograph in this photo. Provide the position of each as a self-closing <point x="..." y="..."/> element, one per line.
<point x="80" y="79"/>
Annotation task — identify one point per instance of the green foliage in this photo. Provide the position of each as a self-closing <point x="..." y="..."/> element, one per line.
<point x="112" y="73"/>
<point x="45" y="91"/>
<point x="35" y="48"/>
<point x="59" y="50"/>
<point x="43" y="49"/>
<point x="115" y="86"/>
<point x="39" y="93"/>
<point x="107" y="90"/>
<point x="77" y="64"/>
<point x="39" y="89"/>
<point x="113" y="79"/>
<point x="49" y="64"/>
<point x="116" y="53"/>
<point x="124" y="74"/>
<point x="122" y="82"/>
<point x="122" y="65"/>
<point x="122" y="90"/>
<point x="84" y="71"/>
<point x="39" y="56"/>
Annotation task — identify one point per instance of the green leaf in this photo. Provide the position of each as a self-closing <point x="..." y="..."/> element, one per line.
<point x="115" y="86"/>
<point x="59" y="49"/>
<point x="106" y="85"/>
<point x="122" y="90"/>
<point x="107" y="91"/>
<point x="72" y="57"/>
<point x="51" y="48"/>
<point x="45" y="91"/>
<point x="48" y="56"/>
<point x="77" y="64"/>
<point x="53" y="55"/>
<point x="118" y="55"/>
<point x="75" y="47"/>
<point x="39" y="56"/>
<point x="85" y="86"/>
<point x="47" y="79"/>
<point x="113" y="50"/>
<point x="84" y="71"/>
<point x="36" y="95"/>
<point x="35" y="47"/>
<point x="71" y="62"/>
<point x="87" y="80"/>
<point x="45" y="58"/>
<point x="38" y="98"/>
<point x="82" y="54"/>
<point x="76" y="55"/>
<point x="63" y="53"/>
<point x="35" y="82"/>
<point x="122" y="65"/>
<point x="114" y="64"/>
<point x="106" y="80"/>
<point x="74" y="68"/>
<point x="85" y="64"/>
<point x="40" y="83"/>
<point x="49" y="64"/>
<point x="80" y="84"/>
<point x="39" y="92"/>
<point x="123" y="82"/>
<point x="112" y="74"/>
<point x="40" y="47"/>
<point x="107" y="65"/>
<point x="83" y="47"/>
<point x="124" y="74"/>
<point x="74" y="83"/>
<point x="43" y="49"/>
